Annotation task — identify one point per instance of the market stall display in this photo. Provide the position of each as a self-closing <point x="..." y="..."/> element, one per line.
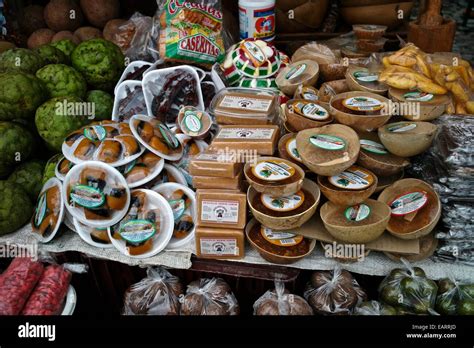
<point x="223" y="149"/>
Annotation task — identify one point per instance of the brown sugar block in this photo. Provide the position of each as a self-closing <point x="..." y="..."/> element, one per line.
<point x="220" y="243"/>
<point x="221" y="208"/>
<point x="213" y="164"/>
<point x="255" y="139"/>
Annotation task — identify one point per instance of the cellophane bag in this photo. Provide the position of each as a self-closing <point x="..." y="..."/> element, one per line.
<point x="334" y="292"/>
<point x="279" y="301"/>
<point x="449" y="166"/>
<point x="374" y="308"/>
<point x="17" y="283"/>
<point x="157" y="294"/>
<point x="191" y="31"/>
<point x="455" y="297"/>
<point x="410" y="289"/>
<point x="209" y="296"/>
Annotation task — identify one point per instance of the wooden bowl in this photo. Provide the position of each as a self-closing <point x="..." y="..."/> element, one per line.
<point x="386" y="181"/>
<point x="284" y="152"/>
<point x="357" y="85"/>
<point x="345" y="197"/>
<point x="298" y="122"/>
<point x="361" y="123"/>
<point x="382" y="14"/>
<point x="271" y="257"/>
<point x="319" y="164"/>
<point x="429" y="110"/>
<point x="275" y="188"/>
<point x="360" y="233"/>
<point x="280" y="223"/>
<point x="305" y="72"/>
<point x="407" y="143"/>
<point x="404" y="186"/>
<point x="381" y="164"/>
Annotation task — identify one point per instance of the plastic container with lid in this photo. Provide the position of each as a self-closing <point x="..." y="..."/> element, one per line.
<point x="257" y="19"/>
<point x="194" y="123"/>
<point x="244" y="106"/>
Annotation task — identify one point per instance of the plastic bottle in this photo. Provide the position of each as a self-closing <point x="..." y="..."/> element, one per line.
<point x="257" y="19"/>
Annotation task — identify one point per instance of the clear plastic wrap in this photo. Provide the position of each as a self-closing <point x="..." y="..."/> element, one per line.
<point x="455" y="297"/>
<point x="449" y="166"/>
<point x="17" y="283"/>
<point x="279" y="301"/>
<point x="409" y="288"/>
<point x="209" y="296"/>
<point x="157" y="294"/>
<point x="374" y="308"/>
<point x="50" y="292"/>
<point x="334" y="292"/>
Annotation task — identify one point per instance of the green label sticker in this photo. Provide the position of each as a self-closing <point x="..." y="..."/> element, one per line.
<point x="365" y="76"/>
<point x="137" y="231"/>
<point x="192" y="121"/>
<point x="87" y="197"/>
<point x="178" y="206"/>
<point x="409" y="203"/>
<point x="328" y="142"/>
<point x="312" y="111"/>
<point x="296" y="71"/>
<point x="357" y="213"/>
<point x="293" y="150"/>
<point x="283" y="203"/>
<point x="373" y="147"/>
<point x="128" y="168"/>
<point x="367" y="104"/>
<point x="95" y="133"/>
<point x="41" y="208"/>
<point x="168" y="136"/>
<point x="401" y="127"/>
<point x="273" y="170"/>
<point x="418" y="96"/>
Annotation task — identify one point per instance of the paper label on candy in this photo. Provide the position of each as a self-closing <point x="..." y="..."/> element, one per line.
<point x="220" y="211"/>
<point x="128" y="168"/>
<point x="168" y="136"/>
<point x="409" y="203"/>
<point x="354" y="178"/>
<point x="311" y="110"/>
<point x="95" y="133"/>
<point x="283" y="203"/>
<point x="363" y="104"/>
<point x="41" y="208"/>
<point x="418" y="96"/>
<point x="219" y="246"/>
<point x="246" y="133"/>
<point x="137" y="231"/>
<point x="328" y="142"/>
<point x="273" y="170"/>
<point x="296" y="71"/>
<point x="365" y="76"/>
<point x="255" y="52"/>
<point x="293" y="150"/>
<point x="208" y="157"/>
<point x="310" y="96"/>
<point x="192" y="121"/>
<point x="286" y="239"/>
<point x="402" y="127"/>
<point x="357" y="213"/>
<point x="178" y="206"/>
<point x="246" y="103"/>
<point x="87" y="197"/>
<point x="373" y="146"/>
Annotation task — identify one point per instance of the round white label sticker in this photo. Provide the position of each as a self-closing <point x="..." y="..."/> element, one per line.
<point x="273" y="170"/>
<point x="357" y="213"/>
<point x="373" y="147"/>
<point x="328" y="142"/>
<point x="353" y="178"/>
<point x="409" y="203"/>
<point x="367" y="104"/>
<point x="283" y="203"/>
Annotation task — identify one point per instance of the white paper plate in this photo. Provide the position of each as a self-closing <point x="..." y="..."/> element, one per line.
<point x="113" y="174"/>
<point x="153" y="174"/>
<point x="83" y="232"/>
<point x="70" y="302"/>
<point x="165" y="190"/>
<point x="175" y="157"/>
<point x="51" y="183"/>
<point x="161" y="240"/>
<point x="121" y="93"/>
<point x="131" y="67"/>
